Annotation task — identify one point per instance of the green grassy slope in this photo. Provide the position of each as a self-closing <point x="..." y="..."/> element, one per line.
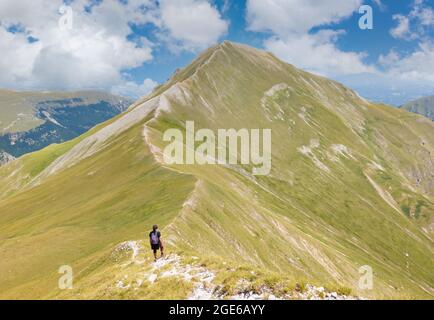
<point x="71" y="218"/>
<point x="351" y="184"/>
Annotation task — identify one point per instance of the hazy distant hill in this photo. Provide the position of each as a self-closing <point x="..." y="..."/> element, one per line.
<point x="351" y="185"/>
<point x="30" y="121"/>
<point x="423" y="106"/>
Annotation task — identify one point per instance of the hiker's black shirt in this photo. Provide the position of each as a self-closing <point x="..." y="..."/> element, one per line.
<point x="158" y="234"/>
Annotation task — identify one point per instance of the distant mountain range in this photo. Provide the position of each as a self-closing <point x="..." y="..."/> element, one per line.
<point x="423" y="106"/>
<point x="30" y="121"/>
<point x="350" y="193"/>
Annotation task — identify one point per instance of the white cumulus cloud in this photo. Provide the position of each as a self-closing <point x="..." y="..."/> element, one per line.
<point x="416" y="24"/>
<point x="100" y="46"/>
<point x="417" y="66"/>
<point x="283" y="17"/>
<point x="402" y="28"/>
<point x="318" y="53"/>
<point x="91" y="54"/>
<point x="290" y="23"/>
<point x="193" y="24"/>
<point x="134" y="90"/>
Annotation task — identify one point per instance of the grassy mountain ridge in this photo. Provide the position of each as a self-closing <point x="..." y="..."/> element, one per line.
<point x="350" y="184"/>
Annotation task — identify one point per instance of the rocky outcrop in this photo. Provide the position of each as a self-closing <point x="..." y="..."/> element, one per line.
<point x="5" y="157"/>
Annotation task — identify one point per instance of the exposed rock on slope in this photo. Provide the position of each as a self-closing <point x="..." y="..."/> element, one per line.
<point x="132" y="273"/>
<point x="5" y="157"/>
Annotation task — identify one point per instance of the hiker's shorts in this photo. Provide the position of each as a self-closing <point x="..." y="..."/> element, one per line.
<point x="155" y="246"/>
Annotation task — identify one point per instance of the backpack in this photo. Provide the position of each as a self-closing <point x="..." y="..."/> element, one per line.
<point x="155" y="239"/>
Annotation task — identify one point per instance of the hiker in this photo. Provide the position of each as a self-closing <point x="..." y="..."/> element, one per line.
<point x="155" y="240"/>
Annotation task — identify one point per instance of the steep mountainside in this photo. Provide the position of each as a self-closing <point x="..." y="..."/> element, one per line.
<point x="423" y="106"/>
<point x="30" y="121"/>
<point x="351" y="184"/>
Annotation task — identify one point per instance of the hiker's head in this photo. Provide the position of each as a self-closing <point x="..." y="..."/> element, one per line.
<point x="154" y="227"/>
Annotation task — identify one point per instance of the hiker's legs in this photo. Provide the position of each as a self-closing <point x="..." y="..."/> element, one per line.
<point x="155" y="254"/>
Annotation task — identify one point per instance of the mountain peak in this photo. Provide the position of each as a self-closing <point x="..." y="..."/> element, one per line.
<point x="342" y="171"/>
<point x="229" y="53"/>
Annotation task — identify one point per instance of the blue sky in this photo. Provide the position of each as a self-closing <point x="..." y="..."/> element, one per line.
<point x="128" y="46"/>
